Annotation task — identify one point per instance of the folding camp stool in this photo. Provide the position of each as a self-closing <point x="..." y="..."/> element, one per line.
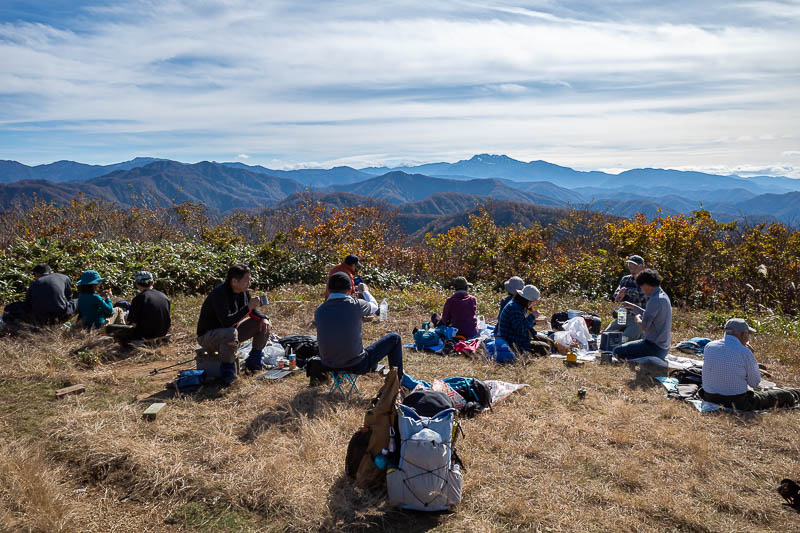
<point x="344" y="382"/>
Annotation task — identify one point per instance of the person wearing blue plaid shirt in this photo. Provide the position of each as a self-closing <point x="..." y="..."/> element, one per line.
<point x="629" y="291"/>
<point x="516" y="322"/>
<point x="730" y="373"/>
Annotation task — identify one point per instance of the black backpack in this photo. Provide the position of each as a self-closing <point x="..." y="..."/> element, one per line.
<point x="315" y="372"/>
<point x="15" y="312"/>
<point x="692" y="375"/>
<point x="557" y="320"/>
<point x="593" y="322"/>
<point x="304" y="347"/>
<point x="428" y="402"/>
<point x="472" y="390"/>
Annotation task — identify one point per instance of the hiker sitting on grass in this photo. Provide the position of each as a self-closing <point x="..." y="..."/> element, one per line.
<point x="48" y="300"/>
<point x="149" y="315"/>
<point x="229" y="316"/>
<point x="350" y="266"/>
<point x="460" y="310"/>
<point x="94" y="305"/>
<point x="516" y="323"/>
<point x="49" y="297"/>
<point x="513" y="285"/>
<point x="339" y="333"/>
<point x="655" y="320"/>
<point x="629" y="291"/>
<point x="730" y="373"/>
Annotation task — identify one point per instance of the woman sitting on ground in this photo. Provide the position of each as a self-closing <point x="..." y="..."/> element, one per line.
<point x="96" y="311"/>
<point x="513" y="285"/>
<point x="515" y="325"/>
<point x="460" y="310"/>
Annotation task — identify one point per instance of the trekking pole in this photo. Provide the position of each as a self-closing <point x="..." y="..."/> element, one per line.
<point x="157" y="370"/>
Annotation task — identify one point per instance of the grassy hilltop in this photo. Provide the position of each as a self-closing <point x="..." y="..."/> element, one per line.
<point x="270" y="456"/>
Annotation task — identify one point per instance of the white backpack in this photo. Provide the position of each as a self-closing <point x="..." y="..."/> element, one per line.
<point x="426" y="479"/>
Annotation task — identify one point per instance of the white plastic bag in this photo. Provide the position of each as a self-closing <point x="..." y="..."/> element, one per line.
<point x="579" y="332"/>
<point x="271" y="354"/>
<point x="564" y="338"/>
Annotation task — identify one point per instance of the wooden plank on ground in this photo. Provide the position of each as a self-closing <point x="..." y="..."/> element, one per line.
<point x="152" y="412"/>
<point x="74" y="389"/>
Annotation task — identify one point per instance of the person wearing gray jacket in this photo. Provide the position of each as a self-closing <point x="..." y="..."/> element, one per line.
<point x="49" y="297"/>
<point x="339" y="332"/>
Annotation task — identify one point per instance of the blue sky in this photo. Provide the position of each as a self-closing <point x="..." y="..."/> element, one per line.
<point x="592" y="85"/>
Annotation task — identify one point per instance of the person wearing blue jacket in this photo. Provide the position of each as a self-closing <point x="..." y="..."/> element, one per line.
<point x="96" y="310"/>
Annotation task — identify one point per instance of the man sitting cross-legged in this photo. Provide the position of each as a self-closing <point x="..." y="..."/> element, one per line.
<point x="222" y="325"/>
<point x="339" y="332"/>
<point x="730" y="372"/>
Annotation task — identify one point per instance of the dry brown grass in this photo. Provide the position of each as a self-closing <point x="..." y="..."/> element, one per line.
<point x="269" y="456"/>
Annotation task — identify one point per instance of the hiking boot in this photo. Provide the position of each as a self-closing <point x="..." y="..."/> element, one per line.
<point x="227" y="374"/>
<point x="255" y="361"/>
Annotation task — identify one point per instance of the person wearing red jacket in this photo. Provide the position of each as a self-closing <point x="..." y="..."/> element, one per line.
<point x="349" y="266"/>
<point x="460" y="310"/>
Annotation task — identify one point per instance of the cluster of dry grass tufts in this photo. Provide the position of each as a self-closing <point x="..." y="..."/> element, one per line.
<point x="33" y="493"/>
<point x="268" y="456"/>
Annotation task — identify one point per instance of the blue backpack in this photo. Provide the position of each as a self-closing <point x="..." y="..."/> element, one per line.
<point x="472" y="390"/>
<point x="190" y="380"/>
<point x="425" y="338"/>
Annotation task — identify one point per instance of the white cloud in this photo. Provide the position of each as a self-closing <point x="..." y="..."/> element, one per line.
<point x="242" y="156"/>
<point x="310" y="82"/>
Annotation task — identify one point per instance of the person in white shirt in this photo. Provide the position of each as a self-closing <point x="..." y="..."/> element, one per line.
<point x="731" y="373"/>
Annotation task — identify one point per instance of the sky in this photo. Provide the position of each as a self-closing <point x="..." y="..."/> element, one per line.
<point x="613" y="85"/>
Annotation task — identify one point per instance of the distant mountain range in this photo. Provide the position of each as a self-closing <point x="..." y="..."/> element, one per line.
<point x="425" y="197"/>
<point x="61" y="171"/>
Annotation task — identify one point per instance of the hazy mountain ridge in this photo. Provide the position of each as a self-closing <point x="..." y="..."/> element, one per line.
<point x="419" y="199"/>
<point x="65" y="171"/>
<point x="504" y="167"/>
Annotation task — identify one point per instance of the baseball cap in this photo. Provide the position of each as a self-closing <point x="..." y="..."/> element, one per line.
<point x="738" y="325"/>
<point x="636" y="259"/>
<point x="144" y="278"/>
<point x="352" y="260"/>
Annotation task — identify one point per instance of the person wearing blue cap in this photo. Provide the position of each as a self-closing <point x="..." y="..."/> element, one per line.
<point x="96" y="310"/>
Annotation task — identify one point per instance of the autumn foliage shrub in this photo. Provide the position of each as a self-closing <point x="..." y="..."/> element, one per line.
<point x="705" y="263"/>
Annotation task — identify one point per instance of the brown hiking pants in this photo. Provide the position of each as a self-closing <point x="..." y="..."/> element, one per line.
<point x="226" y="340"/>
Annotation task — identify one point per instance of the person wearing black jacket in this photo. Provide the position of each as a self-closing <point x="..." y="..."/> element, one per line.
<point x="229" y="316"/>
<point x="149" y="316"/>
